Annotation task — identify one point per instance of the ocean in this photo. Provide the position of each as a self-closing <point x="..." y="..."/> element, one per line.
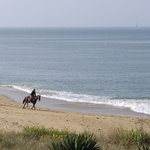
<point x="94" y="66"/>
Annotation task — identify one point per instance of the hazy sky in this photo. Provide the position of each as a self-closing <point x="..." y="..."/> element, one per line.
<point x="74" y="13"/>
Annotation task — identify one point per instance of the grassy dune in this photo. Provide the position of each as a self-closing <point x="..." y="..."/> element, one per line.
<point x="41" y="138"/>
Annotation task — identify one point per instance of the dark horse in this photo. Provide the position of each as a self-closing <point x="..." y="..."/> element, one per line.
<point x="32" y="100"/>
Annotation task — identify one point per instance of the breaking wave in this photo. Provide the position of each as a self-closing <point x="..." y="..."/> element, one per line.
<point x="141" y="105"/>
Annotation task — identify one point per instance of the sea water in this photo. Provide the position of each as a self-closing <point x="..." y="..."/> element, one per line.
<point x="89" y="65"/>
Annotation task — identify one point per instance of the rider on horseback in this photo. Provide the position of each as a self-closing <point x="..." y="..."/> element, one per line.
<point x="33" y="93"/>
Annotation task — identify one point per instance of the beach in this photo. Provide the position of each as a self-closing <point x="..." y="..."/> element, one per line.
<point x="13" y="118"/>
<point x="86" y="70"/>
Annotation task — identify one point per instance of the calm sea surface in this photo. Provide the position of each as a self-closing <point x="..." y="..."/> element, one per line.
<point x="94" y="65"/>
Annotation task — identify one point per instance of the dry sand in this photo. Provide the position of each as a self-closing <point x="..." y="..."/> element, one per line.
<point x="13" y="118"/>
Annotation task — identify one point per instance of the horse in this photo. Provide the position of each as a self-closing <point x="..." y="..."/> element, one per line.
<point x="32" y="100"/>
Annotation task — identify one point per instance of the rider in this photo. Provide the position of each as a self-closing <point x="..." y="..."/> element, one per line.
<point x="33" y="93"/>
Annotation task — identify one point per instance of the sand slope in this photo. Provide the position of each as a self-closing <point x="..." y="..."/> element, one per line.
<point x="13" y="118"/>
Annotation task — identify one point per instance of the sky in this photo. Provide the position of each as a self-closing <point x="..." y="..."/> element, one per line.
<point x="74" y="13"/>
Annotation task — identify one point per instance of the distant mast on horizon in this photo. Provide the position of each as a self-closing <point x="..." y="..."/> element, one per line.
<point x="136" y="25"/>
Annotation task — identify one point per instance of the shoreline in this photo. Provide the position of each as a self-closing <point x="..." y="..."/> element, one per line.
<point x="89" y="108"/>
<point x="14" y="118"/>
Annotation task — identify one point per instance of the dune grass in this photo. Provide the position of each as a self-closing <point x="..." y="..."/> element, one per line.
<point x="41" y="138"/>
<point x="121" y="139"/>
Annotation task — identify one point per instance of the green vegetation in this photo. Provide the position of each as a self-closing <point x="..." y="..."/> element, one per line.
<point x="127" y="140"/>
<point x="144" y="148"/>
<point x="42" y="133"/>
<point x="76" y="142"/>
<point x="40" y="138"/>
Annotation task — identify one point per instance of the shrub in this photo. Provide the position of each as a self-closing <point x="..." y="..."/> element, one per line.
<point x="41" y="132"/>
<point x="126" y="139"/>
<point x="138" y="137"/>
<point x="76" y="142"/>
<point x="144" y="148"/>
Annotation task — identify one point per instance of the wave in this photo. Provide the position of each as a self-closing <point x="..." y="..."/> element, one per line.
<point x="141" y="105"/>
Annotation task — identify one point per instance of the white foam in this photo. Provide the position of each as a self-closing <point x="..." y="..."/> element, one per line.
<point x="142" y="106"/>
<point x="21" y="88"/>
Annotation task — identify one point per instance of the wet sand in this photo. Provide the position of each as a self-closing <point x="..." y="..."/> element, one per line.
<point x="49" y="103"/>
<point x="13" y="118"/>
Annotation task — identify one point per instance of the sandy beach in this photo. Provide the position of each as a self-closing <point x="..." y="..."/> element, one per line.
<point x="13" y="118"/>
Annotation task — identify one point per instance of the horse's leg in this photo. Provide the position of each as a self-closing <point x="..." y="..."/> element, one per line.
<point x="24" y="104"/>
<point x="32" y="106"/>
